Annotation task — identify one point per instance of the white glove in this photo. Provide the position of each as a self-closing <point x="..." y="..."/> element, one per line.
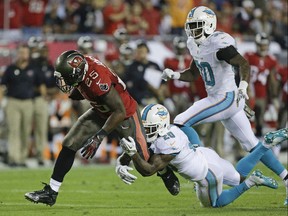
<point x="128" y="146"/>
<point x="242" y="92"/>
<point x="122" y="172"/>
<point x="168" y="73"/>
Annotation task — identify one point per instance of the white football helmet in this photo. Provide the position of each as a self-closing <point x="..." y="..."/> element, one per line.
<point x="201" y="21"/>
<point x="262" y="43"/>
<point x="85" y="44"/>
<point x="156" y="121"/>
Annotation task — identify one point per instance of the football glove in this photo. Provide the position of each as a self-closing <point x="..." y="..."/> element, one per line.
<point x="90" y="147"/>
<point x="242" y="92"/>
<point x="128" y="146"/>
<point x="124" y="175"/>
<point x="169" y="74"/>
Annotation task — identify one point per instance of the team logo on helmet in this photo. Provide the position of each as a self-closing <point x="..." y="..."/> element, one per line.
<point x="190" y="15"/>
<point x="209" y="12"/>
<point x="162" y="113"/>
<point x="76" y="61"/>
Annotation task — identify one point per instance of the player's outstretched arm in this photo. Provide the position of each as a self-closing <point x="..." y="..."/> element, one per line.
<point x="156" y="162"/>
<point x="187" y="75"/>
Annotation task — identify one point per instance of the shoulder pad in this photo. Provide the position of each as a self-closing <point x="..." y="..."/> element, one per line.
<point x="222" y="39"/>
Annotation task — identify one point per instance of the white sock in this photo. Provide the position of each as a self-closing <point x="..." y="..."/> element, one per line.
<point x="55" y="185"/>
<point x="249" y="183"/>
<point x="283" y="175"/>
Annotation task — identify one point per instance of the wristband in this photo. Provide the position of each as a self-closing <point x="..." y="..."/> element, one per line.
<point x="176" y="75"/>
<point x="243" y="84"/>
<point x="101" y="134"/>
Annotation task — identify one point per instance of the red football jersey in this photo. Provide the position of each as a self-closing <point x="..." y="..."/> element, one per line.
<point x="177" y="86"/>
<point x="98" y="81"/>
<point x="260" y="70"/>
<point x="283" y="78"/>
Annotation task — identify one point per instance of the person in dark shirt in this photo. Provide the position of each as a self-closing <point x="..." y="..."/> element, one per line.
<point x="137" y="85"/>
<point x="44" y="69"/>
<point x="19" y="80"/>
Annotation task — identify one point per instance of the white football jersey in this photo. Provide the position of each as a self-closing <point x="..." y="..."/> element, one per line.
<point x="218" y="76"/>
<point x="189" y="162"/>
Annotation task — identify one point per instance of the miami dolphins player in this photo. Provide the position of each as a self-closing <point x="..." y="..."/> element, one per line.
<point x="215" y="57"/>
<point x="202" y="165"/>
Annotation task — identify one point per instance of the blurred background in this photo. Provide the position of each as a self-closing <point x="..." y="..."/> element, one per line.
<point x="120" y="32"/>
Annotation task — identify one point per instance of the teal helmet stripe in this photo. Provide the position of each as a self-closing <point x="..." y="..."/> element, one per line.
<point x="146" y="110"/>
<point x="191" y="14"/>
<point x="210" y="12"/>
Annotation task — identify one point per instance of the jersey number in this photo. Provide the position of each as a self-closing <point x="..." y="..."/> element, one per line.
<point x="168" y="135"/>
<point x="206" y="73"/>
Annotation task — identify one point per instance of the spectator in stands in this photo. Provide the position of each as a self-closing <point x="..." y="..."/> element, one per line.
<point x="135" y="23"/>
<point x="178" y="12"/>
<point x="98" y="13"/>
<point x="225" y="18"/>
<point x="279" y="20"/>
<point x="261" y="22"/>
<point x="152" y="16"/>
<point x="19" y="79"/>
<point x="243" y="17"/>
<point x="115" y="14"/>
<point x="263" y="78"/>
<point x="53" y="23"/>
<point x="165" y="23"/>
<point x="137" y="84"/>
<point x="84" y="17"/>
<point x="33" y="12"/>
<point x="11" y="20"/>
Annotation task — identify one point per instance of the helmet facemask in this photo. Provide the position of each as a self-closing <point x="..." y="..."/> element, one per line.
<point x="60" y="82"/>
<point x="70" y="71"/>
<point x="151" y="131"/>
<point x="200" y="23"/>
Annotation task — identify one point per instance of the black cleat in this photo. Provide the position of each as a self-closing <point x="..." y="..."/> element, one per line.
<point x="46" y="195"/>
<point x="171" y="181"/>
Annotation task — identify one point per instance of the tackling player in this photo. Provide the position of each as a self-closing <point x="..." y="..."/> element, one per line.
<point x="197" y="164"/>
<point x="215" y="56"/>
<point x="113" y="109"/>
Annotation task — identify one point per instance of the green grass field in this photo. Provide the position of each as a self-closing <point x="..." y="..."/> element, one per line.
<point x="97" y="191"/>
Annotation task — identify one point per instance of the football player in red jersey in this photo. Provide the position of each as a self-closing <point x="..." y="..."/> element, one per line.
<point x="282" y="77"/>
<point x="113" y="109"/>
<point x="263" y="77"/>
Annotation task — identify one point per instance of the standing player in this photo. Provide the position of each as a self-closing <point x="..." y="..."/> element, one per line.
<point x="263" y="78"/>
<point x="214" y="56"/>
<point x="198" y="164"/>
<point x="113" y="109"/>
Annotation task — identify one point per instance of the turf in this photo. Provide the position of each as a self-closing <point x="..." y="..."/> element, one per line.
<point x="96" y="190"/>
